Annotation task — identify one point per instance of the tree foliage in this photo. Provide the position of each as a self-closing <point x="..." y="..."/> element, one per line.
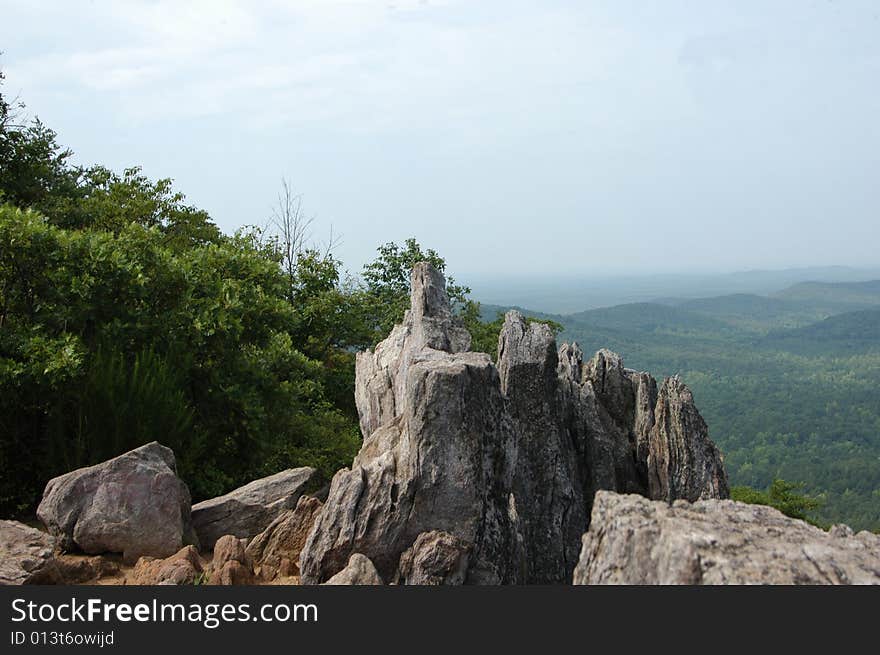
<point x="787" y="497"/>
<point x="127" y="316"/>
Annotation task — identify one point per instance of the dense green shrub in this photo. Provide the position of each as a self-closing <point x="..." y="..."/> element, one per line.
<point x="783" y="496"/>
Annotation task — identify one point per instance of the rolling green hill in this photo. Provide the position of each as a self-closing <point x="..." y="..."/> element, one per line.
<point x="851" y="332"/>
<point x="788" y="385"/>
<point x="834" y="296"/>
<point x="756" y="313"/>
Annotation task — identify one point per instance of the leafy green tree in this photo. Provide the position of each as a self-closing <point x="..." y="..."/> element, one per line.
<point x="783" y="496"/>
<point x="34" y="168"/>
<point x="203" y="338"/>
<point x="387" y="284"/>
<point x="386" y="291"/>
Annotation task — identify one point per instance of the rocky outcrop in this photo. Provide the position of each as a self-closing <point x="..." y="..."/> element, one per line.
<point x="547" y="489"/>
<point x="231" y="565"/>
<point x="275" y="551"/>
<point x="682" y="460"/>
<point x="436" y="558"/>
<point x="434" y="452"/>
<point x="26" y="555"/>
<point x="358" y="571"/>
<point x="182" y="568"/>
<point x="133" y="504"/>
<point x="504" y="461"/>
<point x="633" y="540"/>
<point x="248" y="510"/>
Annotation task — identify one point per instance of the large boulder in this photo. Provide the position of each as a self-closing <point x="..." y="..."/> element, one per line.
<point x="633" y="540"/>
<point x="26" y="555"/>
<point x="248" y="510"/>
<point x="275" y="551"/>
<point x="133" y="504"/>
<point x="506" y="460"/>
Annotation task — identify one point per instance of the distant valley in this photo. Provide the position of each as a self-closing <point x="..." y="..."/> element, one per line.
<point x="789" y="381"/>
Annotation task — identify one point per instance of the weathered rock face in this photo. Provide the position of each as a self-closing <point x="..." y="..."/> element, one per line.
<point x="26" y="555"/>
<point x="682" y="461"/>
<point x="358" y="571"/>
<point x="633" y="540"/>
<point x="504" y="461"/>
<point x="182" y="568"/>
<point x="547" y="486"/>
<point x="248" y="510"/>
<point x="133" y="504"/>
<point x="436" y="558"/>
<point x="275" y="551"/>
<point x="434" y="454"/>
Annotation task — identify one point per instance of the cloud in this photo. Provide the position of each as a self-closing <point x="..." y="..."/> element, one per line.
<point x="361" y="63"/>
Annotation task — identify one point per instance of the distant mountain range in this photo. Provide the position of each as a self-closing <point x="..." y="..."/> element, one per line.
<point x="576" y="293"/>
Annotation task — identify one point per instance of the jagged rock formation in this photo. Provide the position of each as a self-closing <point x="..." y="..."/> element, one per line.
<point x="231" y="565"/>
<point x="504" y="460"/>
<point x="248" y="510"/>
<point x="133" y="504"/>
<point x="26" y="555"/>
<point x="682" y="461"/>
<point x="275" y="551"/>
<point x="434" y="452"/>
<point x="633" y="540"/>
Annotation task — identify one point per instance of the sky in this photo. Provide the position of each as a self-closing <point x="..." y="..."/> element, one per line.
<point x="515" y="138"/>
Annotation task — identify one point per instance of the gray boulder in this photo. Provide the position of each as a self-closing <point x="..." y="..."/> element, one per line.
<point x="133" y="504"/>
<point x="633" y="540"/>
<point x="26" y="555"/>
<point x="248" y="510"/>
<point x="358" y="571"/>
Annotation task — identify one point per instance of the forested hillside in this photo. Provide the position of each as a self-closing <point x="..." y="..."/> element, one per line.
<point x="801" y="403"/>
<point x="126" y="315"/>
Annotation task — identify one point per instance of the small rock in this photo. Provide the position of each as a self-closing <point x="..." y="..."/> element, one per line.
<point x="79" y="569"/>
<point x="436" y="558"/>
<point x="359" y="571"/>
<point x="182" y="568"/>
<point x="231" y="564"/>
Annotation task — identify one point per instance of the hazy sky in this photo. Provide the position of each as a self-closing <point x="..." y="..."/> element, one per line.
<point x="575" y="137"/>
